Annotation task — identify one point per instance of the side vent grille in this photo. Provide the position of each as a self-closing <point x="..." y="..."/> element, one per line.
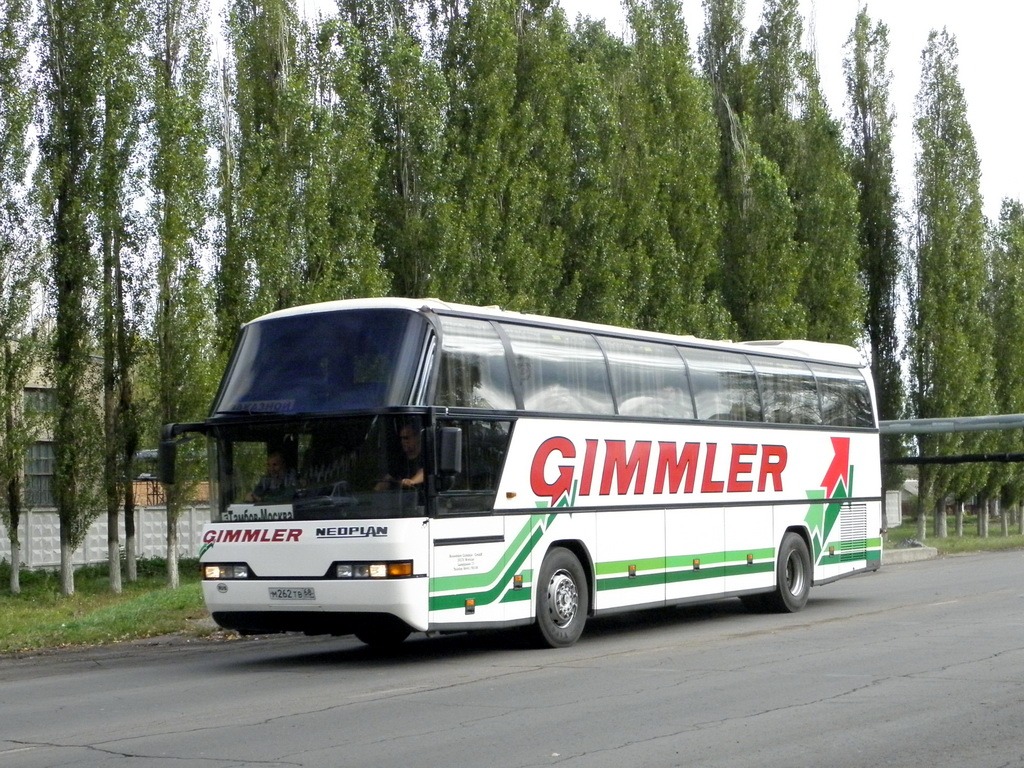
<point x="853" y="532"/>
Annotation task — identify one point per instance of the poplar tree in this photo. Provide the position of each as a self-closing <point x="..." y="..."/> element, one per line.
<point x="478" y="58"/>
<point x="871" y="120"/>
<point x="675" y="108"/>
<point x="762" y="264"/>
<point x="951" y="331"/>
<point x="1007" y="298"/>
<point x="595" y="282"/>
<point x="539" y="157"/>
<point x="794" y="129"/>
<point x="179" y="177"/>
<point x="69" y="60"/>
<point x="20" y="270"/>
<point x="827" y="222"/>
<point x="261" y="268"/>
<point x="379" y="103"/>
<point x="117" y="190"/>
<point x="722" y="62"/>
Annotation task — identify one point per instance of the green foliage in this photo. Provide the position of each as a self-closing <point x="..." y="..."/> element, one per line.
<point x="182" y="373"/>
<point x="1007" y="300"/>
<point x="765" y="268"/>
<point x="70" y="59"/>
<point x="882" y="259"/>
<point x="951" y="342"/>
<point x="678" y="160"/>
<point x="20" y="263"/>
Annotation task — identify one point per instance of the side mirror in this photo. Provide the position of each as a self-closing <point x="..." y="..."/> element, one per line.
<point x="167" y="455"/>
<point x="167" y="452"/>
<point x="450" y="454"/>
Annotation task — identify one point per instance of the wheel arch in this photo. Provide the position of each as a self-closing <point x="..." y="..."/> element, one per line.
<point x="805" y="534"/>
<point x="579" y="549"/>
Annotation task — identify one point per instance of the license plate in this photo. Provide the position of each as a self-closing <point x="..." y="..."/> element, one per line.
<point x="292" y="593"/>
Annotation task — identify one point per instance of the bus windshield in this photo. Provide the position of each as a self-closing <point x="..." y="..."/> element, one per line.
<point x="323" y="362"/>
<point x="344" y="468"/>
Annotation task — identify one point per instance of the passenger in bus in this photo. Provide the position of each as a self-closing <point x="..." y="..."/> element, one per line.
<point x="278" y="484"/>
<point x="408" y="473"/>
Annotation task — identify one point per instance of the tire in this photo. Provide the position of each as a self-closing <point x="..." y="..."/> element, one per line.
<point x="793" y="576"/>
<point x="562" y="600"/>
<point x="754" y="603"/>
<point x="387" y="634"/>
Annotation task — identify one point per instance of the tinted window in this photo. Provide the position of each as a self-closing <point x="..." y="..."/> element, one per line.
<point x="789" y="394"/>
<point x="474" y="371"/>
<point x="845" y="399"/>
<point x="324" y="362"/>
<point x="560" y="371"/>
<point x="648" y="379"/>
<point x="484" y="445"/>
<point x="724" y="386"/>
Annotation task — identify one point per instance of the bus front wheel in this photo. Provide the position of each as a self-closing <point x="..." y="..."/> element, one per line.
<point x="562" y="599"/>
<point x="384" y="634"/>
<point x="792" y="576"/>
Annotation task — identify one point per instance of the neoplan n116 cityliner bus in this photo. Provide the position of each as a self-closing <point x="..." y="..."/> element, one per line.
<point x="384" y="466"/>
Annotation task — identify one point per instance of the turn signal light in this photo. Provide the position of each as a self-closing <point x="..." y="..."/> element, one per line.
<point x="398" y="569"/>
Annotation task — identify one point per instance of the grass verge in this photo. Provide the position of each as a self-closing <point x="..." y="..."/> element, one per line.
<point x="40" y="617"/>
<point x="956" y="545"/>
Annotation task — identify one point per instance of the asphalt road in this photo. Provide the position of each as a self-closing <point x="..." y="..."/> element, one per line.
<point x="921" y="664"/>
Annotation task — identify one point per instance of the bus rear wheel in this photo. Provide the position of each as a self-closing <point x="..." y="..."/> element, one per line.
<point x="792" y="576"/>
<point x="562" y="599"/>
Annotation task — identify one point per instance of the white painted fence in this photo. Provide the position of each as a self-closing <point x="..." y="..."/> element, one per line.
<point x="39" y="533"/>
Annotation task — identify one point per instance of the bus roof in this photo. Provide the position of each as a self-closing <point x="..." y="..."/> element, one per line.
<point x="790" y="348"/>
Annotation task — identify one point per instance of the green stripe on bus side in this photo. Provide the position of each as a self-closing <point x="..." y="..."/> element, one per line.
<point x="706" y="559"/>
<point x="480" y="580"/>
<point x="689" y="574"/>
<point x="504" y="582"/>
<point x="517" y="595"/>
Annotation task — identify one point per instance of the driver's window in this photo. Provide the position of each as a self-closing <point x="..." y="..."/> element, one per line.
<point x="484" y="446"/>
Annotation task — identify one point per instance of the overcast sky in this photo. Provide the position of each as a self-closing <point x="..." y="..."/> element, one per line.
<point x="988" y="35"/>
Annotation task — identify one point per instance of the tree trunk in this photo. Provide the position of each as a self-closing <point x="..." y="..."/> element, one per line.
<point x="114" y="557"/>
<point x="67" y="569"/>
<point x="173" y="578"/>
<point x="14" y="518"/>
<point x="15" y="565"/>
<point x="941" y="521"/>
<point x="922" y="517"/>
<point x="130" y="553"/>
<point x="960" y="520"/>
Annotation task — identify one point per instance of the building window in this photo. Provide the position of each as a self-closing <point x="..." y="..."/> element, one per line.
<point x="40" y="401"/>
<point x="39" y="464"/>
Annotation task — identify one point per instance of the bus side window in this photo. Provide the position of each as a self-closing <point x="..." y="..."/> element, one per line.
<point x="845" y="399"/>
<point x="560" y="371"/>
<point x="484" y="445"/>
<point x="473" y="371"/>
<point x="788" y="391"/>
<point x="724" y="385"/>
<point x="648" y="379"/>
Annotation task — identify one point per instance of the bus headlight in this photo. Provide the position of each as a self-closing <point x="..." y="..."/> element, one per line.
<point x="398" y="569"/>
<point x="220" y="571"/>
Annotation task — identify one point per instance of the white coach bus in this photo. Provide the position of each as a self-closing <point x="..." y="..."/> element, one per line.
<point x="384" y="466"/>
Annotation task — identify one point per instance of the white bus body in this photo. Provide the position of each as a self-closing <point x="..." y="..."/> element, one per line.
<point x="569" y="470"/>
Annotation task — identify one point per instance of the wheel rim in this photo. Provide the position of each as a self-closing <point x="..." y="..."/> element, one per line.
<point x="795" y="574"/>
<point x="563" y="598"/>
